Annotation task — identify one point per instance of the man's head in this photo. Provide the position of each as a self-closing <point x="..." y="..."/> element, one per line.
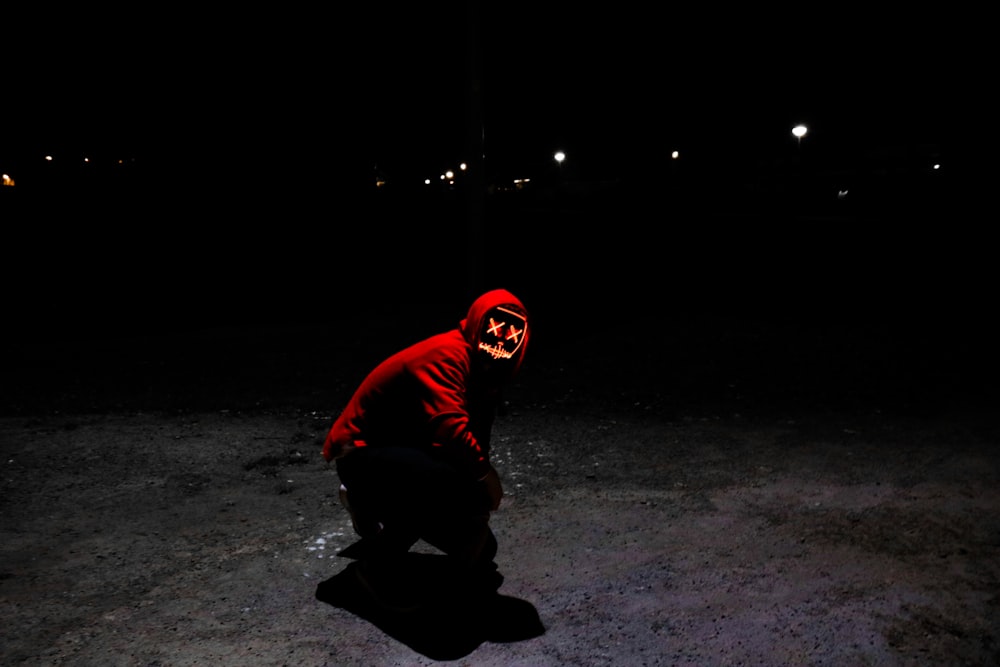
<point x="497" y="330"/>
<point x="502" y="337"/>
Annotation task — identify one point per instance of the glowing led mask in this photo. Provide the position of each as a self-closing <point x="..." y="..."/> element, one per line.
<point x="504" y="332"/>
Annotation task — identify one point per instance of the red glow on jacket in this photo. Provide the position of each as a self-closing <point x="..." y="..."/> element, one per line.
<point x="428" y="396"/>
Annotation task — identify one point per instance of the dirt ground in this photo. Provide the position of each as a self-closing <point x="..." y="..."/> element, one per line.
<point x="730" y="495"/>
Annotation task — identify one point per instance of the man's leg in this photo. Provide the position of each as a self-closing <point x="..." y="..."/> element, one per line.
<point x="459" y="526"/>
<point x="472" y="546"/>
<point x="377" y="486"/>
<point x="377" y="489"/>
<point x="414" y="496"/>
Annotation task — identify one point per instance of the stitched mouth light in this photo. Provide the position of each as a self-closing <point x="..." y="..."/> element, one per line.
<point x="503" y="333"/>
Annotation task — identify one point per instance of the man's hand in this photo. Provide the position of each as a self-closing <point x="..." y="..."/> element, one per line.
<point x="494" y="490"/>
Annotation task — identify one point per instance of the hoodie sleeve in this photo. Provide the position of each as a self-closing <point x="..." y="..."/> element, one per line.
<point x="444" y="399"/>
<point x="340" y="439"/>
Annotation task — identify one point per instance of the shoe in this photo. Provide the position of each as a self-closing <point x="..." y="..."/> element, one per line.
<point x="489" y="582"/>
<point x="472" y="585"/>
<point x="484" y="581"/>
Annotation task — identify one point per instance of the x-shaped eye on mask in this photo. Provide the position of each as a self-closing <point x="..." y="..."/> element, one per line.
<point x="504" y="327"/>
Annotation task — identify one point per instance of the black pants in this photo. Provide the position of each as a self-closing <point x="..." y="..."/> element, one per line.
<point x="415" y="496"/>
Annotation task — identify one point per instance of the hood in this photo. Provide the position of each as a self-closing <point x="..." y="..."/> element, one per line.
<point x="474" y="324"/>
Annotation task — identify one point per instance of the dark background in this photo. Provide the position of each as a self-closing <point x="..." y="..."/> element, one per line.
<point x="233" y="159"/>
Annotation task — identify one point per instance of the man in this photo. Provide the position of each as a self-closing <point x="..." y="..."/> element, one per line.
<point x="412" y="446"/>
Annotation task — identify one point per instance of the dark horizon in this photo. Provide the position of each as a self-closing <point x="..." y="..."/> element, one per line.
<point x="411" y="86"/>
<point x="257" y="140"/>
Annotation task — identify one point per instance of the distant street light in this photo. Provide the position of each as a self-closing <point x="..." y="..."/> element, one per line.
<point x="799" y="131"/>
<point x="560" y="156"/>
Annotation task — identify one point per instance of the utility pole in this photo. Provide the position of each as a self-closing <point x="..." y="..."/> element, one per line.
<point x="475" y="180"/>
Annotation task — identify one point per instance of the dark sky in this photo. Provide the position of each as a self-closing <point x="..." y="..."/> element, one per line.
<point x="624" y="82"/>
<point x="255" y="105"/>
<point x="282" y="88"/>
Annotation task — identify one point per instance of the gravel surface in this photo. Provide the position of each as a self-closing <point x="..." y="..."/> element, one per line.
<point x="747" y="496"/>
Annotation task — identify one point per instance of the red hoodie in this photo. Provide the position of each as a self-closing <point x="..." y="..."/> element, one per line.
<point x="432" y="394"/>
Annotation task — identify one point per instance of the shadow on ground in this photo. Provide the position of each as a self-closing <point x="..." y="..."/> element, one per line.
<point x="433" y="615"/>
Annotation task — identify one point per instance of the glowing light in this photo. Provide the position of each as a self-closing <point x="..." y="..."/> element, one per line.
<point x="48" y="158"/>
<point x="449" y="174"/>
<point x="496" y="351"/>
<point x="799" y="131"/>
<point x="496" y="329"/>
<point x="675" y="154"/>
<point x="559" y="157"/>
<point x="463" y="166"/>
